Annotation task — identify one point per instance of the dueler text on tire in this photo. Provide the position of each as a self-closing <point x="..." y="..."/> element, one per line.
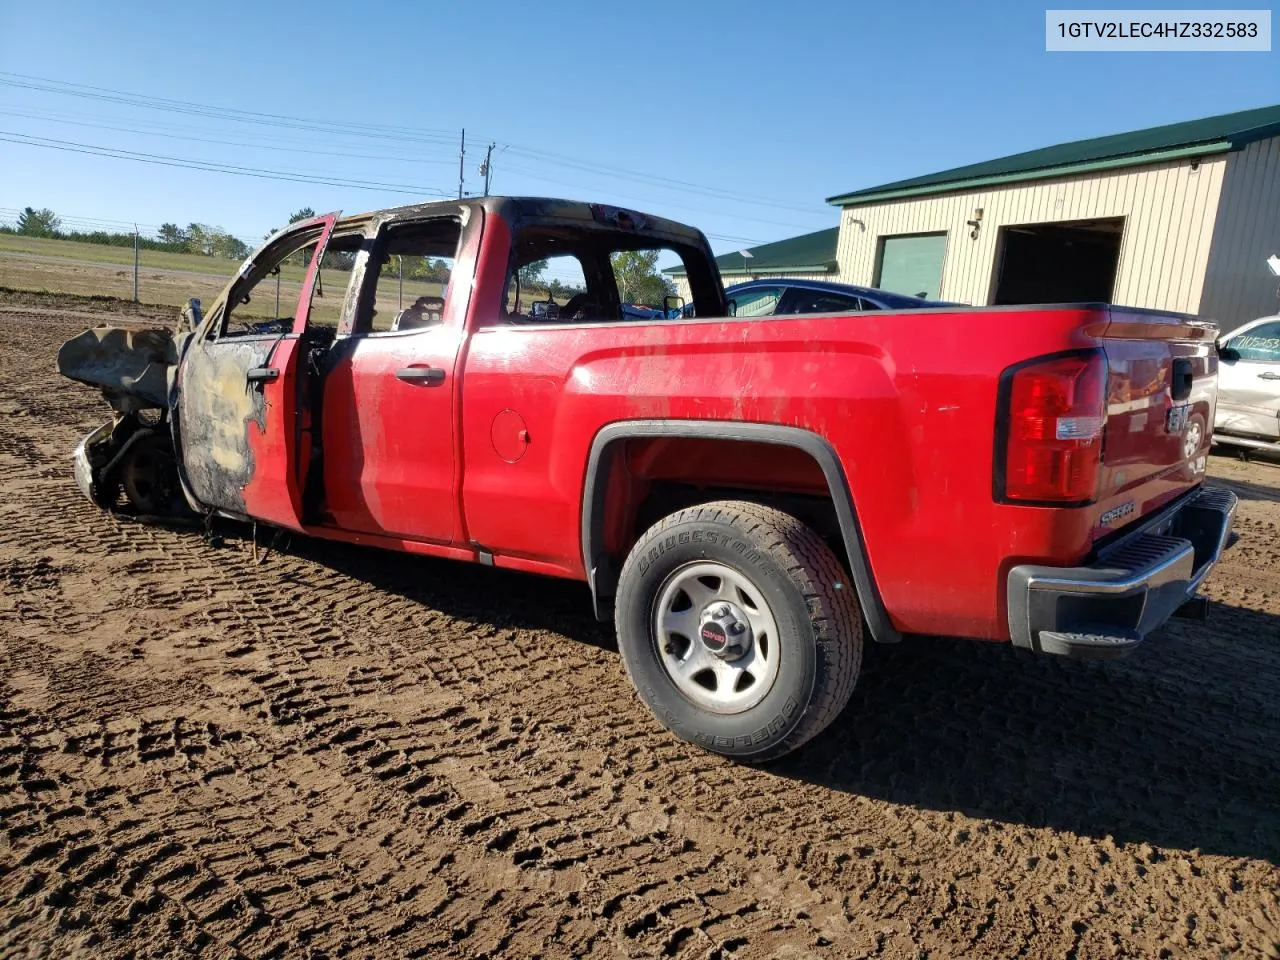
<point x="739" y="628"/>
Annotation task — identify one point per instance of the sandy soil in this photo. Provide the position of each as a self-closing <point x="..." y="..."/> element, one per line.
<point x="336" y="752"/>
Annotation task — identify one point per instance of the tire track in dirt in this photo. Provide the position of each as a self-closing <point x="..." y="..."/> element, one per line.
<point x="347" y="752"/>
<point x="526" y="825"/>
<point x="511" y="823"/>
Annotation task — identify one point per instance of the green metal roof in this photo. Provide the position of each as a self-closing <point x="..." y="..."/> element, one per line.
<point x="1230" y="131"/>
<point x="808" y="253"/>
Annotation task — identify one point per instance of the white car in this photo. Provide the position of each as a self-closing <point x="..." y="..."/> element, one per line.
<point x="1248" y="412"/>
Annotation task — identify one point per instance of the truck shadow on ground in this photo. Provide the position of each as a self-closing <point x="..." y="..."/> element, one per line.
<point x="1175" y="746"/>
<point x="1248" y="491"/>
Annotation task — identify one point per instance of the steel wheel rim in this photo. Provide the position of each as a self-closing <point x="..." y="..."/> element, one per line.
<point x="1195" y="434"/>
<point x="715" y="684"/>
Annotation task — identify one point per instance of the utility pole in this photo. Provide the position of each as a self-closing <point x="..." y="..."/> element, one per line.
<point x="462" y="155"/>
<point x="135" y="263"/>
<point x="486" y="168"/>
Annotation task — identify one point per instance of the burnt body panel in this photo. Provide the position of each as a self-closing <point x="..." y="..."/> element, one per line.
<point x="130" y="366"/>
<point x="216" y="407"/>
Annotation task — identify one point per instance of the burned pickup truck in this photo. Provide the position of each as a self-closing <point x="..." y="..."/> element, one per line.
<point x="747" y="499"/>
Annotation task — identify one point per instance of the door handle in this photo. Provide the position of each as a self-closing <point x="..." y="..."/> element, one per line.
<point x="1269" y="376"/>
<point x="262" y="375"/>
<point x="431" y="376"/>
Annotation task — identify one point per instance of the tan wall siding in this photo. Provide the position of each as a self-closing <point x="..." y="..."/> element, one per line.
<point x="1238" y="286"/>
<point x="1169" y="210"/>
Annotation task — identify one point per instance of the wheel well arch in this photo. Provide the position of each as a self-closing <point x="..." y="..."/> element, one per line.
<point x="824" y="479"/>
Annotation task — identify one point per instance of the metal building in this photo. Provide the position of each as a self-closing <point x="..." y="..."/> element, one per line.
<point x="810" y="256"/>
<point x="1179" y="217"/>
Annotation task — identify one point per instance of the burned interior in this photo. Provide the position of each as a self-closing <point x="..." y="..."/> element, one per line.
<point x="595" y="292"/>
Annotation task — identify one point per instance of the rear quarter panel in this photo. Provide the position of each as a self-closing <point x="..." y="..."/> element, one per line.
<point x="906" y="399"/>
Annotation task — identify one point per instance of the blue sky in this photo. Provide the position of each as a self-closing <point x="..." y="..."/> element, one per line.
<point x="739" y="118"/>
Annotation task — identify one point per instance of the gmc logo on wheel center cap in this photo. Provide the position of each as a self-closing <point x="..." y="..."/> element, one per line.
<point x="713" y="636"/>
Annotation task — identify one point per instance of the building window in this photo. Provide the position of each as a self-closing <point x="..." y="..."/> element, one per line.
<point x="911" y="264"/>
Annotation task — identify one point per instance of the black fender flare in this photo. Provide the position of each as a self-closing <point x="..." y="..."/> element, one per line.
<point x="602" y="577"/>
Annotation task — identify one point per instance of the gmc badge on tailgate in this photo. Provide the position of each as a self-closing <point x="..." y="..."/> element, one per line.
<point x="1175" y="421"/>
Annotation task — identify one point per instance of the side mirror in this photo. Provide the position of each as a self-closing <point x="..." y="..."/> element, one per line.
<point x="733" y="308"/>
<point x="192" y="315"/>
<point x="1228" y="354"/>
<point x="673" y="307"/>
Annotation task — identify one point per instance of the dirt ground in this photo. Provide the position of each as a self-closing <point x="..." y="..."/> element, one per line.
<point x="337" y="752"/>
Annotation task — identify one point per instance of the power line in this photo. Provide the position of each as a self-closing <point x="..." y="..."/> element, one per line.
<point x="220" y="141"/>
<point x="170" y="125"/>
<point x="737" y="215"/>
<point x="651" y="179"/>
<point x="107" y="95"/>
<point x="358" y="156"/>
<point x="211" y="167"/>
<point x="380" y="131"/>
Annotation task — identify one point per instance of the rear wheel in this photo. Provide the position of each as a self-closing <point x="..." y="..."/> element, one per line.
<point x="739" y="628"/>
<point x="1193" y="438"/>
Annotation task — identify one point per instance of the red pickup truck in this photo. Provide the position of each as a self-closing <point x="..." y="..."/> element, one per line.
<point x="747" y="499"/>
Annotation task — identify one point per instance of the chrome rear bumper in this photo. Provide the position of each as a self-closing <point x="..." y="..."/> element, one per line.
<point x="1108" y="607"/>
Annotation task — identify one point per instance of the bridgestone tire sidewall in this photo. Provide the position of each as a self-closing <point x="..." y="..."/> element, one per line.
<point x="754" y="732"/>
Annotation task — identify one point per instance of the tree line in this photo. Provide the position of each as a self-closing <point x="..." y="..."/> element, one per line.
<point x="198" y="238"/>
<point x="635" y="272"/>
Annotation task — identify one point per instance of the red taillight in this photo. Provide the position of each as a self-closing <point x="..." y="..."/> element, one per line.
<point x="1051" y="423"/>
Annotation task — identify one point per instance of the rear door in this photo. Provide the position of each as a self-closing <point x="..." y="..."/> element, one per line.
<point x="391" y="390"/>
<point x="239" y="417"/>
<point x="1249" y="382"/>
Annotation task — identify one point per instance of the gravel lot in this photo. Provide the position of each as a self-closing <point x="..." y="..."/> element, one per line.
<point x="337" y="752"/>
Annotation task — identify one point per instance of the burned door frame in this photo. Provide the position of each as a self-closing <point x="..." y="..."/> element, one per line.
<point x="237" y="407"/>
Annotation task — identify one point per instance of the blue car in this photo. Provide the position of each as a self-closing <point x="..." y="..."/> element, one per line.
<point x="765" y="298"/>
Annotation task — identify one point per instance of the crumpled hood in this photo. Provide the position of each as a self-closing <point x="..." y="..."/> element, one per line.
<point x="123" y="362"/>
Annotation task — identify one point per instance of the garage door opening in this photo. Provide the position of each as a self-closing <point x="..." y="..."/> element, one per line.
<point x="1071" y="262"/>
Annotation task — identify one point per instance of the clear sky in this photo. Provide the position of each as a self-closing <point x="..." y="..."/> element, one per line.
<point x="738" y="117"/>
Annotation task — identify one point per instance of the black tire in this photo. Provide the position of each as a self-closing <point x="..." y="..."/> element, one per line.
<point x="149" y="476"/>
<point x="811" y="598"/>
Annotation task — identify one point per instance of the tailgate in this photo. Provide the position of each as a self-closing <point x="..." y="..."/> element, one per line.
<point x="1161" y="392"/>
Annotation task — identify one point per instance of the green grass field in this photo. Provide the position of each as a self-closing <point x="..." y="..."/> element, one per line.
<point x="101" y="253"/>
<point x="169" y="279"/>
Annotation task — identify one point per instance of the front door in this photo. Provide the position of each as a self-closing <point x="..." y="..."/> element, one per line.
<point x="388" y="429"/>
<point x="240" y="419"/>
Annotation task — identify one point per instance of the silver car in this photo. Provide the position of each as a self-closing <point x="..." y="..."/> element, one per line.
<point x="1248" y="411"/>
